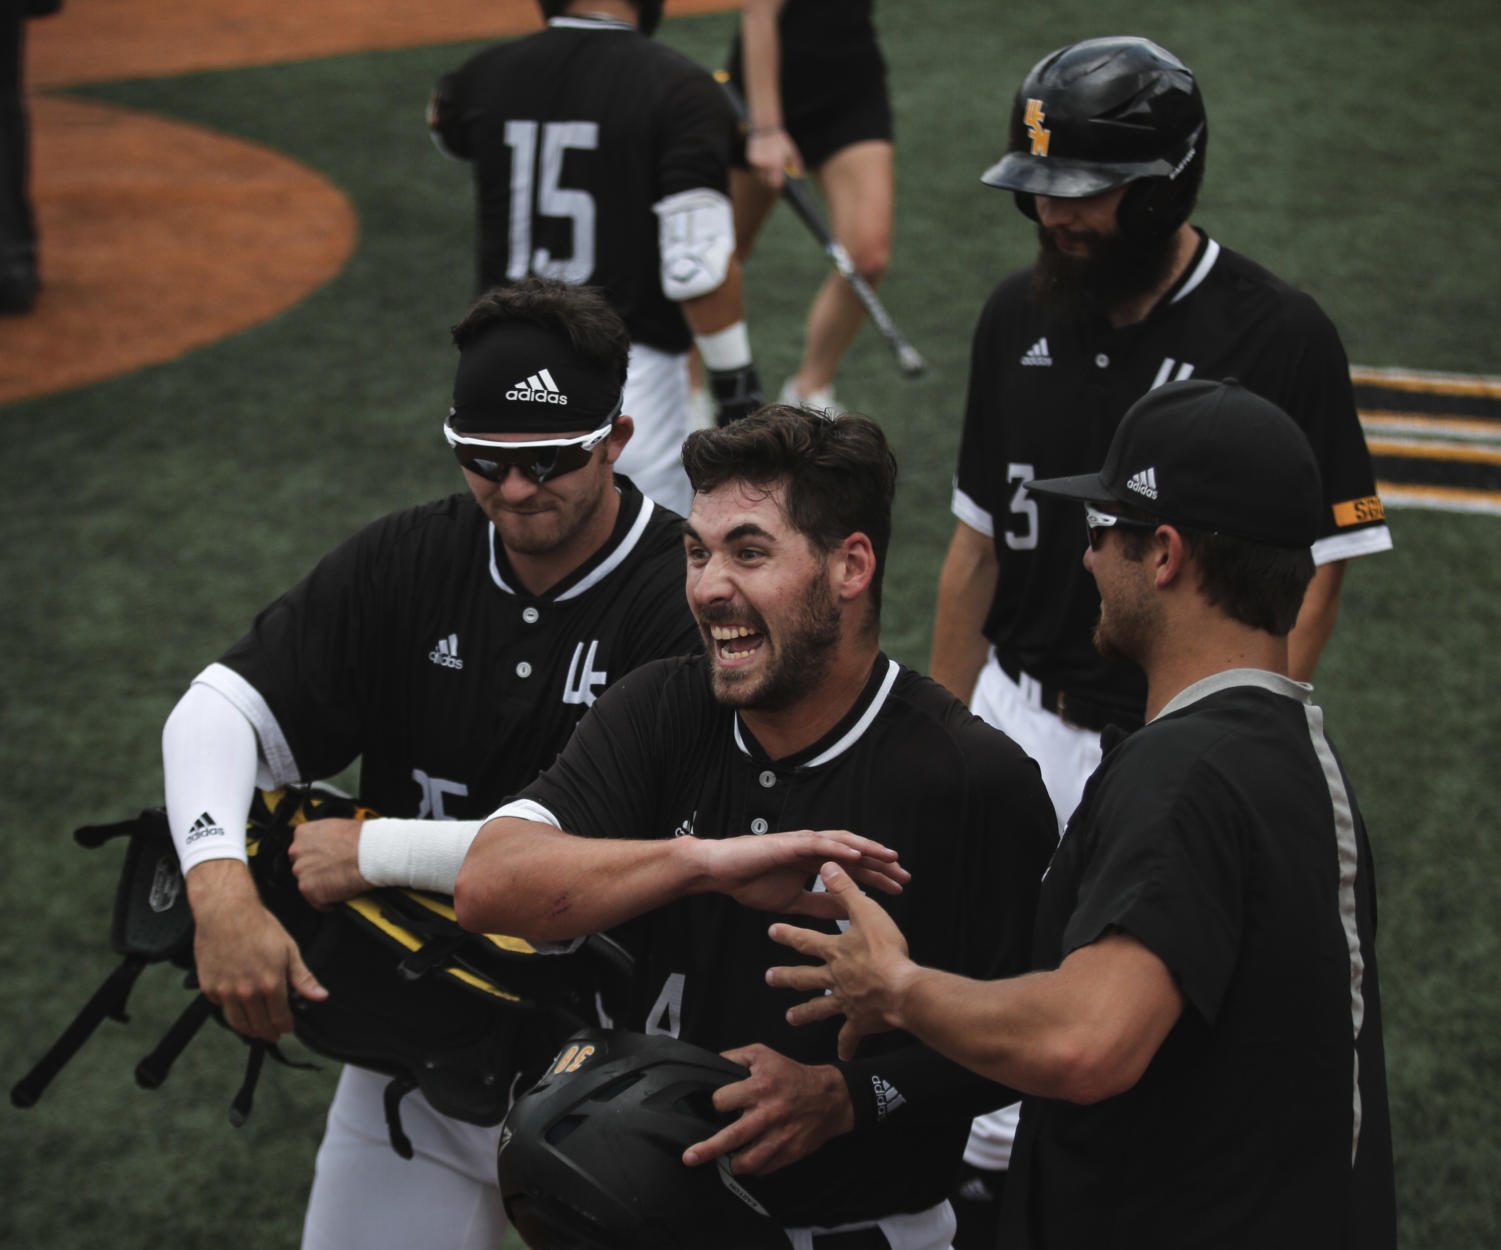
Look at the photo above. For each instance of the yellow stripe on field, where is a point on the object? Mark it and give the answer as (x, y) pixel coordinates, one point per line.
(1436, 383)
(1382, 421)
(1413, 449)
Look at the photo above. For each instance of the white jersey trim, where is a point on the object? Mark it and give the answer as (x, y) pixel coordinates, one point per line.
(1200, 272)
(974, 516)
(1232, 677)
(589, 23)
(1363, 542)
(855, 732)
(1349, 858)
(276, 754)
(606, 566)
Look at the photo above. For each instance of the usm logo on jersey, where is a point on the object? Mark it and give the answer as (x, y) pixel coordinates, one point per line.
(1034, 119)
(583, 676)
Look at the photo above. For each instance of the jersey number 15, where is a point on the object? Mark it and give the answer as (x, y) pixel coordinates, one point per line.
(537, 151)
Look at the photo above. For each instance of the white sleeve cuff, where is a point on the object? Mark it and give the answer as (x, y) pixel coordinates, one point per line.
(974, 516)
(421, 854)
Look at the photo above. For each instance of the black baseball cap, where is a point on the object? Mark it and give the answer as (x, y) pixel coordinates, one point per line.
(1208, 456)
(518, 378)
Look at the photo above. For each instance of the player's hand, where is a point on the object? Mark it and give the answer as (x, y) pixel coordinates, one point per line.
(772, 155)
(864, 968)
(770, 871)
(787, 1110)
(245, 959)
(325, 857)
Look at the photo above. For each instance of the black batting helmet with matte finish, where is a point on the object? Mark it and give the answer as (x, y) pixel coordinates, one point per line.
(1102, 114)
(648, 12)
(591, 1155)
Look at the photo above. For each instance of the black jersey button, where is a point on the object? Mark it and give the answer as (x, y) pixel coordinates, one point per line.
(759, 826)
(530, 615)
(768, 779)
(524, 669)
(1102, 361)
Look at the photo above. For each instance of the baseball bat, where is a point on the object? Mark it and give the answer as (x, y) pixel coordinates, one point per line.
(795, 192)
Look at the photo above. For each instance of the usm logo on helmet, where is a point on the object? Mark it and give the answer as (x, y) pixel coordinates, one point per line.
(572, 1059)
(1034, 119)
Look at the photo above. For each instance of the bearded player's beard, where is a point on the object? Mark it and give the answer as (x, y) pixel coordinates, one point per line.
(1115, 271)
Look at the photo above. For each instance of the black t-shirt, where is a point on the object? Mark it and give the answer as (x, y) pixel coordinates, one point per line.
(1045, 397)
(1225, 837)
(413, 645)
(908, 766)
(828, 54)
(575, 134)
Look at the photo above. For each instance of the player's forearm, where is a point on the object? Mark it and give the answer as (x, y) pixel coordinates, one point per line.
(1083, 1032)
(966, 587)
(535, 881)
(761, 51)
(1315, 620)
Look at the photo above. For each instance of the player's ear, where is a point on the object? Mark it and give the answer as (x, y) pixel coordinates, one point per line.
(852, 565)
(1168, 555)
(620, 435)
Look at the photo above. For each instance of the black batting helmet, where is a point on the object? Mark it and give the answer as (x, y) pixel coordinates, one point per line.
(591, 1155)
(648, 12)
(1103, 113)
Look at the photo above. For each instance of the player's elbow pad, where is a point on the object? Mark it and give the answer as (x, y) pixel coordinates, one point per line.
(696, 238)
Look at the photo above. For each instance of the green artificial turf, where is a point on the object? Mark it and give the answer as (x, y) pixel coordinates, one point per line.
(145, 519)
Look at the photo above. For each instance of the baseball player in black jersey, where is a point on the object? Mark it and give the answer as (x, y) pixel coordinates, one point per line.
(451, 648)
(601, 156)
(701, 794)
(814, 83)
(1125, 296)
(1204, 1054)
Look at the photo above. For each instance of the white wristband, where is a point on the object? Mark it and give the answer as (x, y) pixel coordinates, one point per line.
(422, 854)
(725, 349)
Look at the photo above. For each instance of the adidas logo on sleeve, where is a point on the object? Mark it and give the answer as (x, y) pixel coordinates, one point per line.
(1144, 483)
(537, 389)
(204, 827)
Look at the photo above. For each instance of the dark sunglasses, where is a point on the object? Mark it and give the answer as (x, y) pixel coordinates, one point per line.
(1097, 522)
(543, 461)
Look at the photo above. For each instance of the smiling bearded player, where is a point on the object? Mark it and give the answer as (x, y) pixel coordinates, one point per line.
(699, 794)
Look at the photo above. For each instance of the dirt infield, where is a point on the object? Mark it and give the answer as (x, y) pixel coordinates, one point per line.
(183, 236)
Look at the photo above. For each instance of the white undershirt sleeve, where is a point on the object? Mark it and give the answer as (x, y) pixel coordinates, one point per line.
(209, 762)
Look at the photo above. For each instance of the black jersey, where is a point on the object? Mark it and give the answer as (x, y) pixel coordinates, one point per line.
(575, 134)
(1045, 396)
(908, 766)
(1226, 838)
(413, 646)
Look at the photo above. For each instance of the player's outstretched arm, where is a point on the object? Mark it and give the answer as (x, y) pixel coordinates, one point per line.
(1082, 1032)
(529, 878)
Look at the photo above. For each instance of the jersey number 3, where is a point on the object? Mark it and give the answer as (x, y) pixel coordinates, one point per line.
(1023, 507)
(536, 166)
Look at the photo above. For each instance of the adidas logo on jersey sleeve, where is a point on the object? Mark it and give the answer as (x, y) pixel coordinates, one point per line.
(537, 389)
(1144, 483)
(888, 1098)
(1037, 354)
(446, 653)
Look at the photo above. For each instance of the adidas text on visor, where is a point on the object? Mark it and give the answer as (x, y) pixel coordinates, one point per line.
(516, 378)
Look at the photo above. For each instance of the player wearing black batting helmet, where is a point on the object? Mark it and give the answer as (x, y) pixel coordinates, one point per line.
(1105, 153)
(1202, 1052)
(1108, 113)
(698, 798)
(451, 648)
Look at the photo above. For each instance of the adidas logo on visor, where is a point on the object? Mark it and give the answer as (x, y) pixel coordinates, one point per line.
(1144, 483)
(537, 389)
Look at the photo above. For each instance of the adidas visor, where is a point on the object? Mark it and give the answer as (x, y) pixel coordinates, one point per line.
(517, 378)
(1208, 456)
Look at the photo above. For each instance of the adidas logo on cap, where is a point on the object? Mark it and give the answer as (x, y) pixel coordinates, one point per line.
(1144, 483)
(1037, 354)
(537, 389)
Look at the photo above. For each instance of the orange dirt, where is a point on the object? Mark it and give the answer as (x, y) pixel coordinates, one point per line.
(182, 236)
